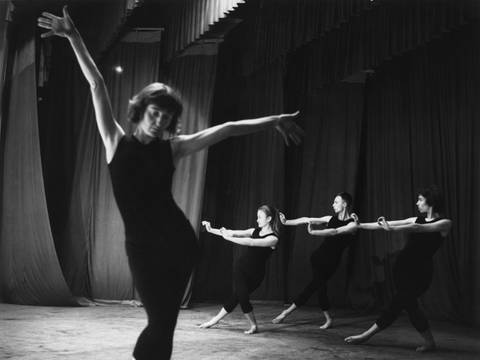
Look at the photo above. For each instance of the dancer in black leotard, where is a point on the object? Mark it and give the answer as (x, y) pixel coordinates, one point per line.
(340, 233)
(160, 242)
(249, 269)
(412, 272)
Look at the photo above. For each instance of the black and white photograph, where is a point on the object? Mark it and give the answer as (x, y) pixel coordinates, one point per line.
(239, 179)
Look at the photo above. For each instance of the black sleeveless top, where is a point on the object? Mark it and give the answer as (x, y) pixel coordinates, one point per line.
(333, 246)
(421, 246)
(142, 180)
(253, 260)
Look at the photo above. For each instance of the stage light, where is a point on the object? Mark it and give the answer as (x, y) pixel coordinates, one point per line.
(118, 69)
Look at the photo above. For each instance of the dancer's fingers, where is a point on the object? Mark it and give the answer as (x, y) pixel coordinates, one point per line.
(50, 16)
(47, 34)
(44, 26)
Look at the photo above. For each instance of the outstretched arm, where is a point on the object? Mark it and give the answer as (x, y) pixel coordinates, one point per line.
(303, 220)
(222, 231)
(378, 225)
(184, 145)
(110, 130)
(443, 226)
(350, 228)
(269, 241)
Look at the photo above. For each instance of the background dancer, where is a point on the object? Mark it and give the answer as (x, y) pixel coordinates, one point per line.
(249, 269)
(413, 269)
(340, 233)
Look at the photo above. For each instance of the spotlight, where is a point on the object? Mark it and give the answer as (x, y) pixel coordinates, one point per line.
(118, 69)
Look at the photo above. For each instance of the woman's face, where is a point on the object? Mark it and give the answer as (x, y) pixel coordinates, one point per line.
(338, 204)
(155, 120)
(422, 205)
(262, 219)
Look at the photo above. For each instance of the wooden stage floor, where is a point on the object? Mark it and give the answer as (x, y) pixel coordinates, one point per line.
(109, 332)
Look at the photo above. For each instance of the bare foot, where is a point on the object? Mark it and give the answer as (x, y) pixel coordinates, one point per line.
(279, 319)
(328, 324)
(357, 339)
(427, 347)
(207, 324)
(252, 330)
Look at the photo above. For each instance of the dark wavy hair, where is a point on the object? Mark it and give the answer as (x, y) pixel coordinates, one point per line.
(274, 214)
(433, 197)
(160, 95)
(348, 199)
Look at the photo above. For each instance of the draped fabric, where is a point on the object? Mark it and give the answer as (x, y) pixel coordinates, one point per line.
(29, 268)
(191, 18)
(194, 77)
(5, 9)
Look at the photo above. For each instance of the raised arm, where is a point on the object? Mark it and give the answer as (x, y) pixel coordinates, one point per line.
(184, 145)
(110, 130)
(350, 228)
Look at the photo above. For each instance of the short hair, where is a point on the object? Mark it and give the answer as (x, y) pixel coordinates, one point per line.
(160, 95)
(347, 198)
(433, 197)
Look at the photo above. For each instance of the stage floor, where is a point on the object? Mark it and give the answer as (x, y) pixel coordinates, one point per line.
(109, 332)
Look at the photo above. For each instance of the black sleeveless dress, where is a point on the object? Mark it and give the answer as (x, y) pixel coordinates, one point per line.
(160, 242)
(248, 274)
(412, 275)
(324, 262)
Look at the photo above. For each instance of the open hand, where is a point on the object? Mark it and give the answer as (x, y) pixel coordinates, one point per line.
(289, 130)
(59, 26)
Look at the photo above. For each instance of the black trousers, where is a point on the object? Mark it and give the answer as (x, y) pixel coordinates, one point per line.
(411, 281)
(244, 283)
(322, 271)
(161, 280)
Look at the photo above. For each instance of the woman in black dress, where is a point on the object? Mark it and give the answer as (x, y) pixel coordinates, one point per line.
(413, 269)
(160, 242)
(339, 234)
(249, 269)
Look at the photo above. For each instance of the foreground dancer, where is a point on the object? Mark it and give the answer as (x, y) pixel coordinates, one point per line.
(412, 272)
(160, 242)
(340, 233)
(249, 270)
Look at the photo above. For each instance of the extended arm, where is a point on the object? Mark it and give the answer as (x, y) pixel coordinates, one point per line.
(378, 225)
(443, 226)
(184, 145)
(269, 241)
(350, 228)
(303, 220)
(222, 231)
(110, 130)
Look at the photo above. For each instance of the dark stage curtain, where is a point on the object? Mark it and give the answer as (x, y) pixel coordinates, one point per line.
(243, 173)
(194, 77)
(420, 129)
(30, 271)
(95, 262)
(429, 86)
